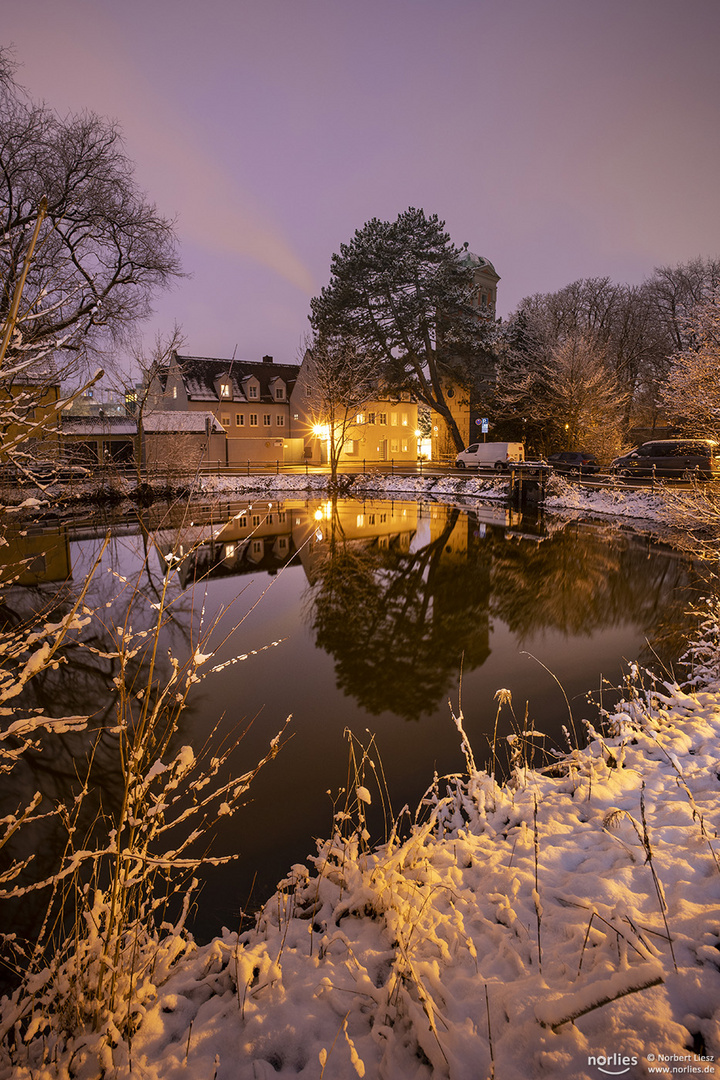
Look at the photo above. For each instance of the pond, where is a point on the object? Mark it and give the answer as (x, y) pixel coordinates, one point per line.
(372, 617)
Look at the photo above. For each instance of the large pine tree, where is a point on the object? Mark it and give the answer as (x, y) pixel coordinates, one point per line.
(401, 290)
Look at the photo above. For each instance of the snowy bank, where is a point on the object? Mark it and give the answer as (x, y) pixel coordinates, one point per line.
(616, 502)
(564, 925)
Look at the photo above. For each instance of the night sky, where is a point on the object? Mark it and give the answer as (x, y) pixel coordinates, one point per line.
(560, 138)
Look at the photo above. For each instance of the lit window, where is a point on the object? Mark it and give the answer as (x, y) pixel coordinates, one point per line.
(266, 419)
(280, 420)
(225, 390)
(360, 520)
(174, 392)
(394, 446)
(404, 419)
(360, 418)
(239, 420)
(393, 419)
(404, 446)
(296, 416)
(253, 419)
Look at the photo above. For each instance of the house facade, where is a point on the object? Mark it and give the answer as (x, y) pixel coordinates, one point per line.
(249, 399)
(380, 429)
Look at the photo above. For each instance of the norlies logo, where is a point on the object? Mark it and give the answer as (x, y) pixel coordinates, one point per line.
(612, 1064)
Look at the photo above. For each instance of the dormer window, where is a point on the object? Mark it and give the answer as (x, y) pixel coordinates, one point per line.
(279, 393)
(252, 390)
(225, 390)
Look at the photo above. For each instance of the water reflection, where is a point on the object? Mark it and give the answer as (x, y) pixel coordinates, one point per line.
(379, 606)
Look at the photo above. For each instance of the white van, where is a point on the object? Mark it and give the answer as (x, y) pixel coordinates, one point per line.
(495, 455)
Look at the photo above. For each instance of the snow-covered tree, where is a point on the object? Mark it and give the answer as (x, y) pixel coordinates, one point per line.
(692, 392)
(401, 291)
(570, 391)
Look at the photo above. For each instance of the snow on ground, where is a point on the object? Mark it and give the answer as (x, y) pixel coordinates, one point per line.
(642, 504)
(565, 924)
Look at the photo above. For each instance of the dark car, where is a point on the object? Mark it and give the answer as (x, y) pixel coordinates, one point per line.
(673, 458)
(574, 461)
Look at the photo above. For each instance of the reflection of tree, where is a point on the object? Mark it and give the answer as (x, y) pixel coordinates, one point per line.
(398, 623)
(584, 579)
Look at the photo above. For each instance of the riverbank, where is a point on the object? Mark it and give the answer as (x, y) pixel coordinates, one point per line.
(563, 924)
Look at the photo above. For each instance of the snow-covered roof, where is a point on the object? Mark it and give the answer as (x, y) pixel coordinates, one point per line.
(173, 420)
(478, 262)
(98, 425)
(201, 375)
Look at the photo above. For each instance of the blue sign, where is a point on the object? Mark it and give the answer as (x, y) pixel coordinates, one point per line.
(485, 426)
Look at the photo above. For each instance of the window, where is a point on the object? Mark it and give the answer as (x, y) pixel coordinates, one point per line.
(282, 543)
(371, 418)
(280, 420)
(404, 419)
(242, 521)
(352, 446)
(252, 391)
(360, 520)
(279, 393)
(239, 420)
(266, 419)
(371, 519)
(258, 547)
(225, 421)
(253, 419)
(394, 446)
(281, 517)
(360, 418)
(255, 520)
(268, 519)
(404, 446)
(296, 416)
(382, 418)
(225, 390)
(175, 392)
(308, 390)
(393, 419)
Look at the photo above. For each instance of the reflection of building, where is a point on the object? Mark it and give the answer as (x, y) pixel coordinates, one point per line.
(383, 429)
(35, 556)
(249, 399)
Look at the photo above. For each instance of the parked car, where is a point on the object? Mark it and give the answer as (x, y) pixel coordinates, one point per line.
(574, 461)
(671, 457)
(495, 455)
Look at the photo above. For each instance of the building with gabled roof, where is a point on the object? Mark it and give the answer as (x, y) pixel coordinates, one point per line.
(249, 398)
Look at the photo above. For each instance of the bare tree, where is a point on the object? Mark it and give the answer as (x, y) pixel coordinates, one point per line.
(570, 390)
(102, 249)
(342, 378)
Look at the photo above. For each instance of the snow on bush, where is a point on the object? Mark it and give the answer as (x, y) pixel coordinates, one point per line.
(532, 929)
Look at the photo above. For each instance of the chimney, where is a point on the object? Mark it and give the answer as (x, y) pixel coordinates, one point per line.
(267, 360)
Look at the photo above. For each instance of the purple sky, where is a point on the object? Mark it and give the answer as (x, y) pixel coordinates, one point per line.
(560, 138)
